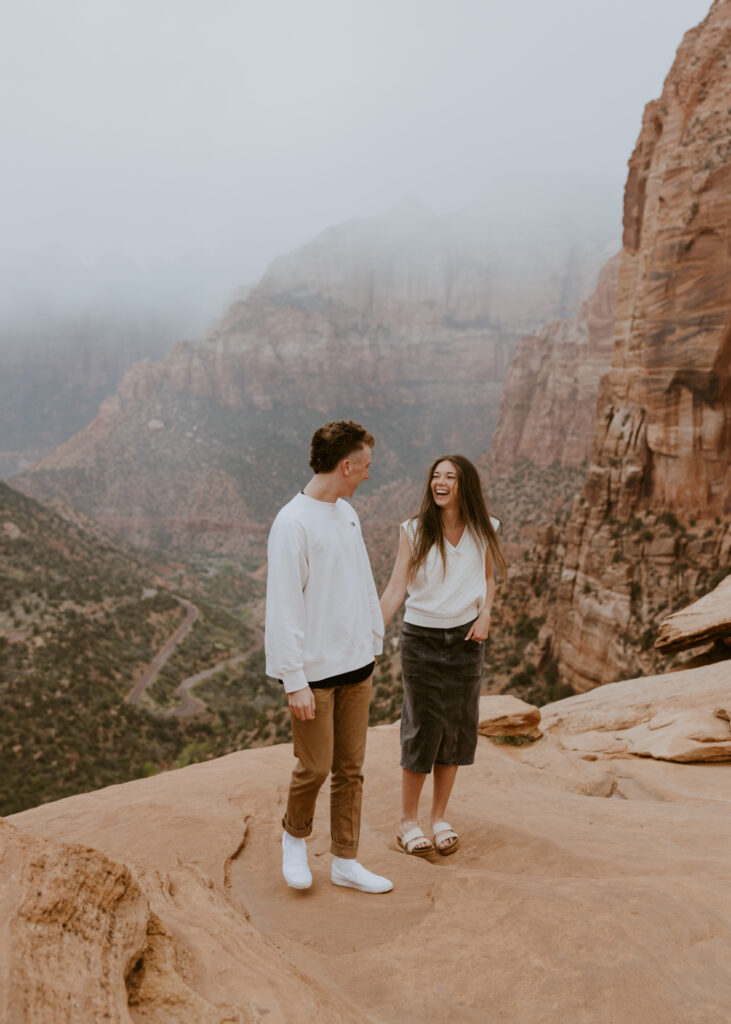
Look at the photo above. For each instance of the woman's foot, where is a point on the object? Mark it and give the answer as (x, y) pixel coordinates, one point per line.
(446, 839)
(412, 840)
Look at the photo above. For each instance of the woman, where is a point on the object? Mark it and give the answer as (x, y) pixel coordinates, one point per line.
(445, 561)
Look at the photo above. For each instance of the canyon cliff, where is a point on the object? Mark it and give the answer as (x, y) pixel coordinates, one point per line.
(396, 321)
(541, 445)
(548, 404)
(650, 529)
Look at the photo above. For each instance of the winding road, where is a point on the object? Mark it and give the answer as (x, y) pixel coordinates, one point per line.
(189, 705)
(150, 674)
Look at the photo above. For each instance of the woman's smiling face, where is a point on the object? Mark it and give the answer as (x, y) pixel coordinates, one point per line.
(445, 484)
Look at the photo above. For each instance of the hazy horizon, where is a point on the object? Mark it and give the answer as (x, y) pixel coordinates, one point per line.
(173, 150)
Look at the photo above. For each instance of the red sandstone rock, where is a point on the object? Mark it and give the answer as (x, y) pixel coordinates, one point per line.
(548, 404)
(180, 914)
(74, 922)
(663, 436)
(505, 715)
(667, 398)
(682, 716)
(706, 619)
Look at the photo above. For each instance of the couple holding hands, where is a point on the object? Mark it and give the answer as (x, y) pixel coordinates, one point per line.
(324, 632)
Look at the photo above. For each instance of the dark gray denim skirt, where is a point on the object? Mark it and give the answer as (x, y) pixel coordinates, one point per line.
(442, 677)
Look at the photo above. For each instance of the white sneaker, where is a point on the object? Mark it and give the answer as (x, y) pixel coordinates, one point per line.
(353, 875)
(296, 873)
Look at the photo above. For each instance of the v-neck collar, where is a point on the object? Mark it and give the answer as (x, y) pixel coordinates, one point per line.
(455, 547)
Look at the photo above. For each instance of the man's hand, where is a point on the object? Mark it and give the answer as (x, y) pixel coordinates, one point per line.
(302, 704)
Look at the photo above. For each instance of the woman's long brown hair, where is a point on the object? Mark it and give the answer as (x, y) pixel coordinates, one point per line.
(472, 509)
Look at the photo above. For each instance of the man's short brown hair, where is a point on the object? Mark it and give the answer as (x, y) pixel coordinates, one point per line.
(335, 441)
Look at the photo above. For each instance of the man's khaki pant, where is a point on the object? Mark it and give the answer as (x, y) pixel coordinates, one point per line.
(334, 741)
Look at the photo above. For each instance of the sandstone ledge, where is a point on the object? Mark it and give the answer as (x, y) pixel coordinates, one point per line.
(709, 618)
(505, 715)
(549, 874)
(681, 716)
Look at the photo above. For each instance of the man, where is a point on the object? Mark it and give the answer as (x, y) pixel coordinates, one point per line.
(324, 630)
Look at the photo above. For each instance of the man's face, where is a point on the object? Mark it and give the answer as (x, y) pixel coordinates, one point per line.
(356, 468)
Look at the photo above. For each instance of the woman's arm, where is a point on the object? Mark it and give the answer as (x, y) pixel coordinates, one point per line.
(481, 626)
(395, 592)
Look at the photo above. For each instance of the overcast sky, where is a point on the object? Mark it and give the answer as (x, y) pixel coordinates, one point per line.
(164, 133)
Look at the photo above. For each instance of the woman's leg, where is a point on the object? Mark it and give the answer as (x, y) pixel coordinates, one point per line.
(461, 703)
(412, 784)
(421, 726)
(444, 776)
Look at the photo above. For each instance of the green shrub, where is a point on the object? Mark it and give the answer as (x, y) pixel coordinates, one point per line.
(670, 520)
(647, 639)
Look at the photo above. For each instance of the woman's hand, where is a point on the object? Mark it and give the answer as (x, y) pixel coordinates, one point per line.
(480, 627)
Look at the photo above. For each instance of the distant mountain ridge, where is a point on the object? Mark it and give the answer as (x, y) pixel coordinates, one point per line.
(55, 370)
(391, 321)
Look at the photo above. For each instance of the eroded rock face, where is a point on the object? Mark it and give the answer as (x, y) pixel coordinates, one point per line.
(655, 508)
(668, 393)
(548, 404)
(142, 929)
(74, 922)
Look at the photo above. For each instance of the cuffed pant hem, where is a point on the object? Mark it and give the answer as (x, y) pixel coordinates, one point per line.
(298, 833)
(346, 852)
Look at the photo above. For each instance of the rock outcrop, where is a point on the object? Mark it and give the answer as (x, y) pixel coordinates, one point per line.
(666, 403)
(162, 899)
(682, 717)
(652, 528)
(74, 922)
(707, 619)
(507, 716)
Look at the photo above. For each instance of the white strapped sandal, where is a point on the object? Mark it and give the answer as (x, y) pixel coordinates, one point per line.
(410, 839)
(446, 833)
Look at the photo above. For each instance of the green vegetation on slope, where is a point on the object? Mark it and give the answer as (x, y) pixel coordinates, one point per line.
(79, 621)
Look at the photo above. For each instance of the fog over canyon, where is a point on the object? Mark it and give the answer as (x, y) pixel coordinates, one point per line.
(582, 357)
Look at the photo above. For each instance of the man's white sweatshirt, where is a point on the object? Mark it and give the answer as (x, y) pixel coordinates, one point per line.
(322, 612)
